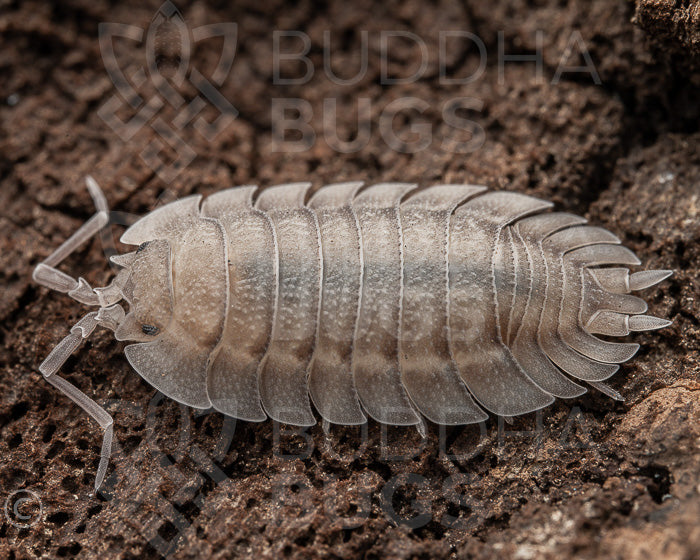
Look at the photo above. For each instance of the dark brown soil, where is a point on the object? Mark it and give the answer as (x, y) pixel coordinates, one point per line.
(589, 478)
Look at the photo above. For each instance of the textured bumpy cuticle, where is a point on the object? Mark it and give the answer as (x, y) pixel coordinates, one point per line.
(388, 301)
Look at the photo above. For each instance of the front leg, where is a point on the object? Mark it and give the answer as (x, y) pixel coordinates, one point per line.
(46, 273)
(58, 356)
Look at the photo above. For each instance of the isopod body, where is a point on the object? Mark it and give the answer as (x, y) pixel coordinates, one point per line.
(386, 301)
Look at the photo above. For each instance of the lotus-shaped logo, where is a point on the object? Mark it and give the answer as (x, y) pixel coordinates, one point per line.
(163, 90)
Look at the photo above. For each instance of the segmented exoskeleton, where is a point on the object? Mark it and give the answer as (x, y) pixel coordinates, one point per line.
(386, 301)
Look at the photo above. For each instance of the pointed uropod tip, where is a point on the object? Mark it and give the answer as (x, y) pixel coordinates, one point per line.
(647, 278)
(647, 323)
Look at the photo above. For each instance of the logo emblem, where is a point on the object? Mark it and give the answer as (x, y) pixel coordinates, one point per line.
(163, 90)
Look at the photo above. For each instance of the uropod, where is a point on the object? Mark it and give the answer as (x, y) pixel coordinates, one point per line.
(384, 301)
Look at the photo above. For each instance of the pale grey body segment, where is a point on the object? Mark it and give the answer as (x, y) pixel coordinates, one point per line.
(282, 374)
(428, 370)
(232, 377)
(375, 361)
(386, 301)
(331, 383)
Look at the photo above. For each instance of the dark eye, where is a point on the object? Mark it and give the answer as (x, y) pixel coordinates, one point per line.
(142, 247)
(149, 329)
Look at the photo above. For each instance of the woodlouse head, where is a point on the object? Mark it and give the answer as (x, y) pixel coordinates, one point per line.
(148, 291)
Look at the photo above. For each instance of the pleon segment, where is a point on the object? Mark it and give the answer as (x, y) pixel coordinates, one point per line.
(331, 384)
(232, 378)
(614, 280)
(375, 358)
(523, 268)
(283, 387)
(607, 289)
(549, 336)
(609, 323)
(484, 362)
(427, 370)
(570, 328)
(524, 347)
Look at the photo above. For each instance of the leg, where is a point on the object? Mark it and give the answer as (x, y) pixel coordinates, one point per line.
(47, 275)
(51, 365)
(97, 413)
(422, 428)
(603, 388)
(121, 218)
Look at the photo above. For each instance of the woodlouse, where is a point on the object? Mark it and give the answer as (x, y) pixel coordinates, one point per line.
(386, 301)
